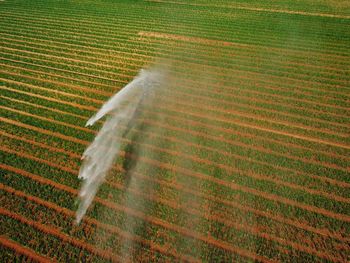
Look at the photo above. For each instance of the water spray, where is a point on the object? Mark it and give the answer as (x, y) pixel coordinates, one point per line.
(121, 111)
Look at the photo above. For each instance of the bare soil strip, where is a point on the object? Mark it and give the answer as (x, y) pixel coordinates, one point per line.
(156, 221)
(47, 23)
(62, 76)
(278, 132)
(56, 134)
(246, 125)
(278, 218)
(131, 76)
(79, 106)
(84, 118)
(201, 106)
(63, 70)
(141, 63)
(233, 186)
(238, 133)
(172, 204)
(196, 105)
(268, 196)
(128, 27)
(102, 51)
(54, 91)
(77, 65)
(226, 88)
(60, 58)
(272, 77)
(257, 9)
(150, 58)
(236, 52)
(261, 177)
(252, 230)
(329, 180)
(65, 238)
(235, 96)
(234, 204)
(201, 97)
(200, 160)
(243, 114)
(211, 42)
(32, 255)
(322, 178)
(259, 108)
(40, 144)
(59, 83)
(93, 221)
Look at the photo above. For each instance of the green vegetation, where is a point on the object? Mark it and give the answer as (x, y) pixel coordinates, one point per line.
(244, 157)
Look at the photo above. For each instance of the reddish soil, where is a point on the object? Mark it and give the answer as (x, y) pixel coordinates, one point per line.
(116, 53)
(92, 221)
(57, 233)
(19, 249)
(250, 75)
(303, 83)
(79, 106)
(196, 123)
(153, 220)
(235, 132)
(257, 176)
(235, 186)
(277, 218)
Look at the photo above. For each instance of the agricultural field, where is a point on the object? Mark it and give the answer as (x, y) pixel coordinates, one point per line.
(243, 157)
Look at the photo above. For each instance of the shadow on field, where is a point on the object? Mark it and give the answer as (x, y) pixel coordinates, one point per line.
(132, 150)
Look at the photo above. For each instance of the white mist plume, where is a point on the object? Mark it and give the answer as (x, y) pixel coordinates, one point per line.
(99, 157)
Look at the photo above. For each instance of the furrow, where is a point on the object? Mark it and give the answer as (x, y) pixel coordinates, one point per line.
(159, 222)
(230, 169)
(322, 178)
(91, 221)
(57, 233)
(197, 106)
(228, 89)
(286, 79)
(233, 186)
(32, 255)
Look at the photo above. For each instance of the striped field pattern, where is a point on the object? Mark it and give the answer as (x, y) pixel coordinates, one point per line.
(244, 157)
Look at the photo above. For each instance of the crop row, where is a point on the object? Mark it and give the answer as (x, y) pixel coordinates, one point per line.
(337, 101)
(202, 29)
(39, 153)
(198, 92)
(204, 163)
(117, 216)
(177, 132)
(241, 91)
(184, 48)
(331, 81)
(114, 218)
(98, 102)
(55, 116)
(178, 92)
(90, 230)
(127, 37)
(92, 39)
(26, 147)
(193, 149)
(111, 65)
(181, 169)
(225, 115)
